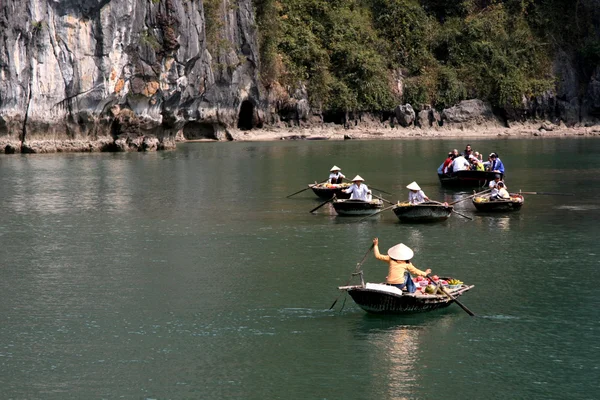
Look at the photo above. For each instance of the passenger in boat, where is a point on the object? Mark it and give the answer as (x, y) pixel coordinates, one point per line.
(495, 164)
(497, 179)
(416, 195)
(468, 152)
(460, 164)
(336, 175)
(443, 169)
(476, 165)
(358, 190)
(400, 267)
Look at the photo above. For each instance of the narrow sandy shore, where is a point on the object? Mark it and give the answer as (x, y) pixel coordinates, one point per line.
(359, 133)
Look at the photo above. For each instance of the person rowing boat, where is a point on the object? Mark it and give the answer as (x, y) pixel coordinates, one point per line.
(398, 258)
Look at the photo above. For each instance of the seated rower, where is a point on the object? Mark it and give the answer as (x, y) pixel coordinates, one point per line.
(400, 267)
(336, 175)
(358, 190)
(416, 195)
(499, 192)
(502, 192)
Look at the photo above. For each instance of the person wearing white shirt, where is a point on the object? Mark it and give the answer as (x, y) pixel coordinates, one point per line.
(416, 195)
(336, 175)
(460, 164)
(496, 181)
(358, 190)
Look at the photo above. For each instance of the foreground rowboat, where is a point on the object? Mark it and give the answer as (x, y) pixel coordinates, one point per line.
(379, 298)
(327, 190)
(467, 178)
(484, 204)
(424, 212)
(356, 207)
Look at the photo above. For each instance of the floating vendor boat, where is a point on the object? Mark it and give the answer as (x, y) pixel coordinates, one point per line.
(467, 178)
(483, 203)
(327, 190)
(424, 212)
(356, 207)
(379, 298)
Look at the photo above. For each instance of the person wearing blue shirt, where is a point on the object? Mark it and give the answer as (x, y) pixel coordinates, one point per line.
(495, 164)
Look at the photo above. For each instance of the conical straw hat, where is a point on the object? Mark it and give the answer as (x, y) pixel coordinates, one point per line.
(400, 252)
(335, 168)
(413, 186)
(357, 178)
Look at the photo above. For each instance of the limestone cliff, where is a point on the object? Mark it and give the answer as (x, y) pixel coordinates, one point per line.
(87, 75)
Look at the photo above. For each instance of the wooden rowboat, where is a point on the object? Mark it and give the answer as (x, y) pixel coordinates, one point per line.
(327, 190)
(380, 298)
(483, 203)
(467, 178)
(356, 207)
(424, 212)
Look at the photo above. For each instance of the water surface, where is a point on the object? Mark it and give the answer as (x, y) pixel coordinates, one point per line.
(189, 274)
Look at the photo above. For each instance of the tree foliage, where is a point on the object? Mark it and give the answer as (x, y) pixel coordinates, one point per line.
(347, 52)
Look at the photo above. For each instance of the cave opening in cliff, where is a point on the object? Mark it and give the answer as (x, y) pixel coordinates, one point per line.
(199, 130)
(335, 117)
(246, 117)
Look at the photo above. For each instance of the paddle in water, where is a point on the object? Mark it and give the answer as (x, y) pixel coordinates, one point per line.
(306, 188)
(322, 204)
(440, 287)
(356, 270)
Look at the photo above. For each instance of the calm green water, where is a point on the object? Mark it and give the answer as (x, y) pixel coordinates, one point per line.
(189, 275)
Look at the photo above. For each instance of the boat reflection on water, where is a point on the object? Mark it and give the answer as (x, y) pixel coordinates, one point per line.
(398, 347)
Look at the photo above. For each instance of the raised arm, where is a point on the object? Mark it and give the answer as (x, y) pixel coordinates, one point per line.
(377, 253)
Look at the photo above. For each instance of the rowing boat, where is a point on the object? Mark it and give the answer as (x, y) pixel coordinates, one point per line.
(424, 212)
(379, 298)
(327, 190)
(484, 204)
(356, 207)
(467, 178)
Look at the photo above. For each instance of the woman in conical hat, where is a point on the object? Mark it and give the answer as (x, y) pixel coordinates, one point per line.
(416, 195)
(358, 190)
(400, 267)
(336, 175)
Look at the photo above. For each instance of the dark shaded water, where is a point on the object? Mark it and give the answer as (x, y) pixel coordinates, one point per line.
(188, 274)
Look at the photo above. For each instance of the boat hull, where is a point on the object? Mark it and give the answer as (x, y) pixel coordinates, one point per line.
(422, 212)
(467, 178)
(356, 207)
(484, 204)
(327, 191)
(379, 302)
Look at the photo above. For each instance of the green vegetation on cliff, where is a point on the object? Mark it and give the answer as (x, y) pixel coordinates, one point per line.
(352, 54)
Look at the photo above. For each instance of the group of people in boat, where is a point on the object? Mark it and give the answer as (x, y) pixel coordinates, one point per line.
(470, 160)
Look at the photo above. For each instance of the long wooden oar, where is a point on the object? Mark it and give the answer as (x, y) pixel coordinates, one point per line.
(384, 200)
(358, 265)
(468, 197)
(440, 287)
(548, 193)
(306, 188)
(376, 212)
(462, 215)
(321, 205)
(379, 190)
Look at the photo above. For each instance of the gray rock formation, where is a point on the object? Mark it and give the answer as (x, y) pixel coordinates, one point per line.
(405, 115)
(470, 113)
(88, 75)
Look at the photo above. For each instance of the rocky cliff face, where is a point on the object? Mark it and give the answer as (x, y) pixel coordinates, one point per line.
(88, 75)
(119, 75)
